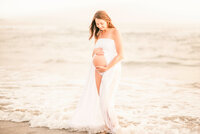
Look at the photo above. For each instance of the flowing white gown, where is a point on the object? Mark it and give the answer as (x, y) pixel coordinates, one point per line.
(95, 113)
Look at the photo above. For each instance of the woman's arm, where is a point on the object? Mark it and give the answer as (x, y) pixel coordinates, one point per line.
(119, 49)
(98, 51)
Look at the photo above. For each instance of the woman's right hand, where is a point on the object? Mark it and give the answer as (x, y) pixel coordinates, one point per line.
(98, 51)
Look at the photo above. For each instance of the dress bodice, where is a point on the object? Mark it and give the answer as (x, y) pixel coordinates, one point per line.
(107, 44)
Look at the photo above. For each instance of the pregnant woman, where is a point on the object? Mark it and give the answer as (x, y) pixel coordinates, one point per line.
(95, 110)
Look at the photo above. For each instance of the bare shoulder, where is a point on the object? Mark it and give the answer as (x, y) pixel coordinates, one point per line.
(113, 30)
(115, 33)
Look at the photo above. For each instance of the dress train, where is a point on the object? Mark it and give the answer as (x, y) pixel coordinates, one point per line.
(96, 113)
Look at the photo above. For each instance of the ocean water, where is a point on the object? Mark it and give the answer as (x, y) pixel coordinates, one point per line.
(43, 69)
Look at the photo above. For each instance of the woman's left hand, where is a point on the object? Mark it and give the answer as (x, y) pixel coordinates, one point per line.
(101, 68)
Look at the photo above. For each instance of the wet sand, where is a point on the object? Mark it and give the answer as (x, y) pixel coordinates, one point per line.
(43, 71)
(9, 127)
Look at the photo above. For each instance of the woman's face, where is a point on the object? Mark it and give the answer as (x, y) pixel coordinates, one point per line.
(101, 24)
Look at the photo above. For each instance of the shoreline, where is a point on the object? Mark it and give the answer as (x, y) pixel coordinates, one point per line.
(10, 127)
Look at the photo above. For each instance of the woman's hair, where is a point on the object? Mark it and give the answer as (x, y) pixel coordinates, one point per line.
(93, 27)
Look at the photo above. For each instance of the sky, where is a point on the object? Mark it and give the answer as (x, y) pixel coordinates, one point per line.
(137, 11)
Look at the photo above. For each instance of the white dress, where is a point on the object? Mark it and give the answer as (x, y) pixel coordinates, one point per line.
(95, 113)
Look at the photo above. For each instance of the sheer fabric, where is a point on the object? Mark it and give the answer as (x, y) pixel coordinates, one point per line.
(96, 113)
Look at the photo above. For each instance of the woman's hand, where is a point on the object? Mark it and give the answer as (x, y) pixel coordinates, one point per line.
(101, 68)
(98, 51)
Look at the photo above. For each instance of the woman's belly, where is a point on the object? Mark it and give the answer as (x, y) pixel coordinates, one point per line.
(99, 60)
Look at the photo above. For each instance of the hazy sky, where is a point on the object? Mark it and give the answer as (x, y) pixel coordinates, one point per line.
(182, 11)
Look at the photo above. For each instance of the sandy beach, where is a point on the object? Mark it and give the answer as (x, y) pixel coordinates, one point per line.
(46, 53)
(43, 71)
(9, 127)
